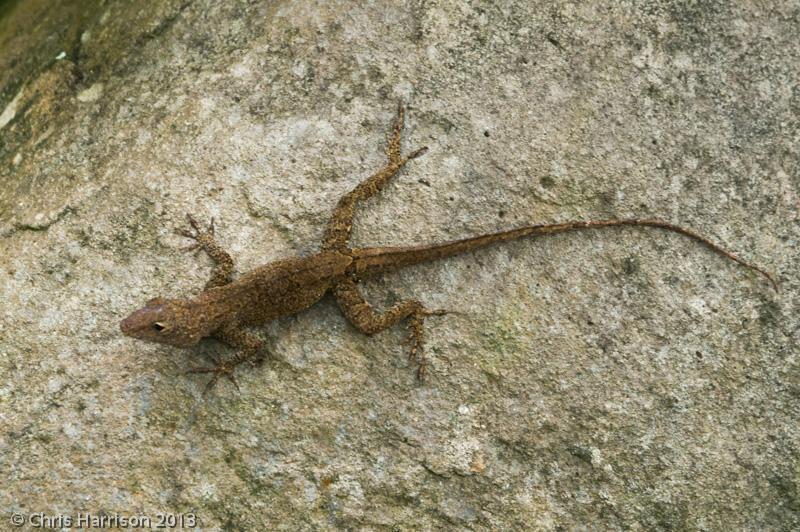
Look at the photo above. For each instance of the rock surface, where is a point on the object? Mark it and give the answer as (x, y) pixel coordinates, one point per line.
(619, 379)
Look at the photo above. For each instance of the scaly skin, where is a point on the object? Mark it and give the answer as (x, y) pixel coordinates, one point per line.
(227, 307)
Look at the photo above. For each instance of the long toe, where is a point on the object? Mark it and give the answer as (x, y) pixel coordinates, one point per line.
(211, 384)
(232, 378)
(199, 370)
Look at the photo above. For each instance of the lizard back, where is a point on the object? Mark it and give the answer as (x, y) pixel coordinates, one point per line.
(284, 286)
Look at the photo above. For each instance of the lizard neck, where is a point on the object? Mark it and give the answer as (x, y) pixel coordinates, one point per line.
(215, 307)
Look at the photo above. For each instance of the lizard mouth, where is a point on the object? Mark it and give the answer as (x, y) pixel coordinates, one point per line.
(137, 323)
(128, 325)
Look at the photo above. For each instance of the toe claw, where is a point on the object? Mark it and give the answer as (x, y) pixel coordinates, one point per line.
(232, 378)
(210, 384)
(192, 222)
(421, 370)
(197, 370)
(417, 153)
(412, 353)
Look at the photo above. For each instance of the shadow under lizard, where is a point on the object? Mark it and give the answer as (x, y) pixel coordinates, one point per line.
(226, 307)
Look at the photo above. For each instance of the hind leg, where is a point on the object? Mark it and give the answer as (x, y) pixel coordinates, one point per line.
(338, 230)
(361, 314)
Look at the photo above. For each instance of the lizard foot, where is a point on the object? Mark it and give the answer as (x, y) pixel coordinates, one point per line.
(416, 338)
(204, 240)
(219, 369)
(198, 235)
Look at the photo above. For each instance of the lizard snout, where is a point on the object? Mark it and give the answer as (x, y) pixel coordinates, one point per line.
(133, 323)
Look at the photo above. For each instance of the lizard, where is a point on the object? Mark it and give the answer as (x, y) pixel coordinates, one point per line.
(226, 308)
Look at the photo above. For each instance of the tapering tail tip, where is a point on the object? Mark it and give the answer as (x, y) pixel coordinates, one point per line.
(753, 267)
(772, 280)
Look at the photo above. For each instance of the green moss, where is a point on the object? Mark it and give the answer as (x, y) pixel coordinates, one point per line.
(769, 313)
(43, 438)
(501, 341)
(255, 486)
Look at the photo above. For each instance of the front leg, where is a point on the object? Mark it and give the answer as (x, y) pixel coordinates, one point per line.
(361, 314)
(223, 263)
(247, 346)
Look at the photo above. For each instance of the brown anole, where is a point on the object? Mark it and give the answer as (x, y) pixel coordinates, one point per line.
(226, 307)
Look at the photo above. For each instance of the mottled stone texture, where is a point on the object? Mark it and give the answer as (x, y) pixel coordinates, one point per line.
(623, 379)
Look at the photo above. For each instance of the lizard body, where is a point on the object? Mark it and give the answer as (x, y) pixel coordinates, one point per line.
(226, 307)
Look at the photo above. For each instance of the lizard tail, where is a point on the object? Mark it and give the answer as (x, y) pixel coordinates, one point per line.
(367, 261)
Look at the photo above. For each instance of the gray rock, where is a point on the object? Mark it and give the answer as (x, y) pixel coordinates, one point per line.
(618, 379)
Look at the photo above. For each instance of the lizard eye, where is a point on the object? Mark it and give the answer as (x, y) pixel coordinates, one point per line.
(159, 326)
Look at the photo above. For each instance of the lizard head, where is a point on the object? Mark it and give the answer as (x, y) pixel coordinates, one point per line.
(167, 321)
